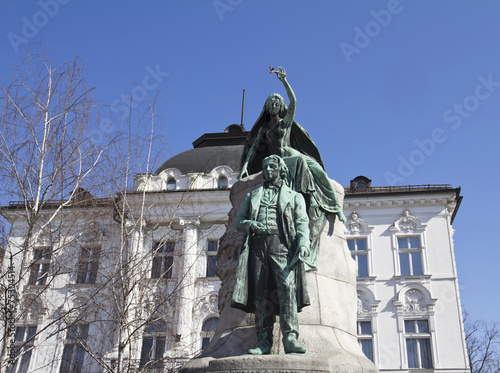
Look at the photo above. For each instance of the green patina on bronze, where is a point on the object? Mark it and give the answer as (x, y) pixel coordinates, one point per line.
(270, 278)
(276, 132)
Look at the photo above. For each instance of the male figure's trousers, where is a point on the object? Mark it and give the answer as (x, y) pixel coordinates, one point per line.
(273, 280)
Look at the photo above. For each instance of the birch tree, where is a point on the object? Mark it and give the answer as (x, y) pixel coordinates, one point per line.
(46, 158)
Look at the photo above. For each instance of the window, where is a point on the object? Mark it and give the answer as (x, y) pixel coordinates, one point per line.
(87, 267)
(74, 351)
(365, 338)
(360, 184)
(208, 331)
(23, 341)
(40, 266)
(163, 259)
(211, 257)
(153, 345)
(222, 183)
(359, 252)
(171, 184)
(418, 344)
(410, 256)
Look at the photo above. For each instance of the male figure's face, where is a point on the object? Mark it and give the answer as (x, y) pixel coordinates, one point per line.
(271, 170)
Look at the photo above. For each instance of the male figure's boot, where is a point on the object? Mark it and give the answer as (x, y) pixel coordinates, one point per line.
(291, 345)
(264, 344)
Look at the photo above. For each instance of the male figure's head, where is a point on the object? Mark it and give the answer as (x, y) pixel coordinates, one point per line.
(274, 168)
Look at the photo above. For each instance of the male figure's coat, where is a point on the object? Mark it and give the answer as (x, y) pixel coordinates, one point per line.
(294, 225)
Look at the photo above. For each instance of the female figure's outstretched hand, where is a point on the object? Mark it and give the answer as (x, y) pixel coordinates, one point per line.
(281, 74)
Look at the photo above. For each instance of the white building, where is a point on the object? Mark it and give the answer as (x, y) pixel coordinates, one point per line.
(132, 279)
(409, 314)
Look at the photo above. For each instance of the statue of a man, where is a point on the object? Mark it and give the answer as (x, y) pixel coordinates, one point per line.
(270, 279)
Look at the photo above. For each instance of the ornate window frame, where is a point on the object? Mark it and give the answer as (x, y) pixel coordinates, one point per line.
(207, 335)
(156, 331)
(88, 264)
(40, 266)
(32, 312)
(77, 336)
(24, 344)
(222, 172)
(170, 174)
(357, 228)
(367, 310)
(211, 255)
(161, 234)
(414, 302)
(163, 253)
(407, 225)
(212, 232)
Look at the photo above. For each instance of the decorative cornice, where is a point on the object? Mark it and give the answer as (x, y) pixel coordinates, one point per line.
(375, 201)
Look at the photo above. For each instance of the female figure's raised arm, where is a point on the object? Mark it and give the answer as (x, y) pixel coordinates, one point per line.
(290, 114)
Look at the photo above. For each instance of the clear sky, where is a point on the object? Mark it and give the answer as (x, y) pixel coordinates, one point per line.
(403, 92)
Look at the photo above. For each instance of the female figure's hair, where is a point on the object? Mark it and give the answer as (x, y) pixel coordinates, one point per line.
(267, 106)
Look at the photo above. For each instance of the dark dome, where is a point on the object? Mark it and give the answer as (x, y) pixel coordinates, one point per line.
(205, 159)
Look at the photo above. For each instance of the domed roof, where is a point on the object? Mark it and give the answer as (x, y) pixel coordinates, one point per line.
(211, 150)
(205, 159)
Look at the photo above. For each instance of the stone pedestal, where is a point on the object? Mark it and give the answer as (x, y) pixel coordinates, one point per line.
(327, 327)
(269, 363)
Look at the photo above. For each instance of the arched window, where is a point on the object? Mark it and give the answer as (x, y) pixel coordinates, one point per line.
(415, 314)
(153, 345)
(366, 324)
(171, 184)
(222, 183)
(208, 330)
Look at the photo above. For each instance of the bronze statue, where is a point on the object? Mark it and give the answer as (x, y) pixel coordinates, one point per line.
(276, 132)
(270, 278)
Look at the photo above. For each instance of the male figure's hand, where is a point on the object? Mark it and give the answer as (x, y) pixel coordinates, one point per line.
(304, 251)
(257, 227)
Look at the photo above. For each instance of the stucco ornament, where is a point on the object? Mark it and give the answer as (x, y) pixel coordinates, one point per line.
(45, 235)
(355, 224)
(407, 222)
(414, 301)
(210, 304)
(92, 232)
(363, 304)
(32, 309)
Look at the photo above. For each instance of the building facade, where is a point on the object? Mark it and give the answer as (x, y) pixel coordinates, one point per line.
(409, 313)
(130, 282)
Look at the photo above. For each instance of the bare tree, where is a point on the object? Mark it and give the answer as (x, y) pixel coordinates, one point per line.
(83, 256)
(46, 159)
(483, 345)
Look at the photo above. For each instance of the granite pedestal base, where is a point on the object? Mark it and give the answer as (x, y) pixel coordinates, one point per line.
(269, 364)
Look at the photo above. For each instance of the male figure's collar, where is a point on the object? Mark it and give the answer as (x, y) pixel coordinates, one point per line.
(273, 184)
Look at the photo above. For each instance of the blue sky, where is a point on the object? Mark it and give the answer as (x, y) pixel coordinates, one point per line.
(403, 92)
